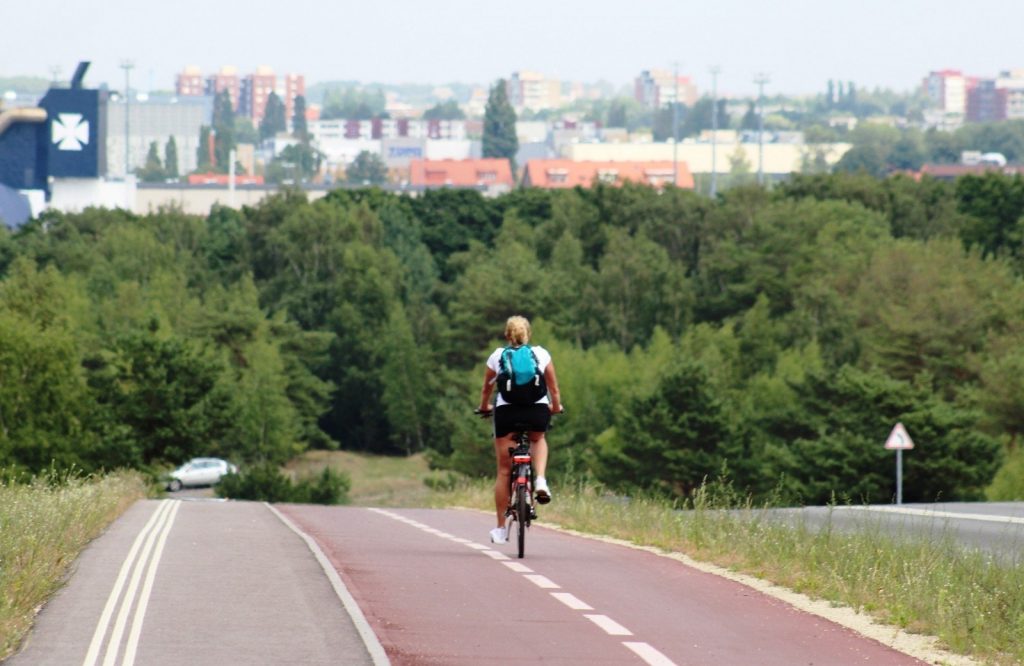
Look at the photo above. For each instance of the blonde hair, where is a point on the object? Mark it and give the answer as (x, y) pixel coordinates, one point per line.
(517, 330)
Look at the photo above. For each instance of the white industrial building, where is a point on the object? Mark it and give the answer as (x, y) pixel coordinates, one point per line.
(155, 120)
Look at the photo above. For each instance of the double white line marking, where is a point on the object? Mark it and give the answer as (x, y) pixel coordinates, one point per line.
(150, 542)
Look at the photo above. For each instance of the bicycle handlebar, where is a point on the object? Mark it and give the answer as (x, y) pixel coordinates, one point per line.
(490, 412)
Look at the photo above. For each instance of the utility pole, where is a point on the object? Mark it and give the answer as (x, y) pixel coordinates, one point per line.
(675, 126)
(760, 80)
(127, 66)
(714, 129)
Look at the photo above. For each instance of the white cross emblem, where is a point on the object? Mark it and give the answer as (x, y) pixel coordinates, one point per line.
(69, 131)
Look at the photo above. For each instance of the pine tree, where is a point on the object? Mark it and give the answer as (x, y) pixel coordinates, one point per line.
(500, 138)
(273, 117)
(171, 158)
(203, 151)
(299, 127)
(153, 171)
(224, 130)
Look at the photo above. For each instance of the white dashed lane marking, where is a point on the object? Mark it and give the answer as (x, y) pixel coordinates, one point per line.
(610, 626)
(571, 601)
(542, 581)
(649, 654)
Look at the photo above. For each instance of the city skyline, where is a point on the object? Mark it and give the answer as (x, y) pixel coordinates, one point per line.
(799, 43)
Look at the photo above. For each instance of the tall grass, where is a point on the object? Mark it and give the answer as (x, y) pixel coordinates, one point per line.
(972, 602)
(44, 524)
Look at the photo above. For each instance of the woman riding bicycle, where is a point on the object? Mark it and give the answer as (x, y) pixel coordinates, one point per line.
(507, 417)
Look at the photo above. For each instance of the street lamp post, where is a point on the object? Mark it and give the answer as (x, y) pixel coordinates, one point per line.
(675, 126)
(127, 66)
(714, 129)
(760, 80)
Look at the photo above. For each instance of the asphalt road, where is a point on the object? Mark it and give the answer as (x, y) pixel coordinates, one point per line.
(216, 583)
(208, 582)
(993, 528)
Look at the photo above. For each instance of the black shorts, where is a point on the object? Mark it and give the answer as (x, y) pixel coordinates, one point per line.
(516, 418)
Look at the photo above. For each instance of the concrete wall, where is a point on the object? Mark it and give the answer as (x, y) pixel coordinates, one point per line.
(778, 158)
(199, 200)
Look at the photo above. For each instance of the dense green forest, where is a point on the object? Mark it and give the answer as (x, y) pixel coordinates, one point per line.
(775, 335)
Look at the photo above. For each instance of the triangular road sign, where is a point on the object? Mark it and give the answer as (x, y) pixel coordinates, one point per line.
(899, 439)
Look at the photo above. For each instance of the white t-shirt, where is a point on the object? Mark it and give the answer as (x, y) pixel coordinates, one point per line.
(543, 359)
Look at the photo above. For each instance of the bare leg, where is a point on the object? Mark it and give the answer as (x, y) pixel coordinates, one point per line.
(501, 482)
(539, 453)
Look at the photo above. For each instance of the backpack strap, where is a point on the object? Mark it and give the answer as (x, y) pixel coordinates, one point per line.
(505, 368)
(536, 364)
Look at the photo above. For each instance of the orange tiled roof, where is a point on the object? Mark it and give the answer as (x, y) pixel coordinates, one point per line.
(461, 173)
(567, 173)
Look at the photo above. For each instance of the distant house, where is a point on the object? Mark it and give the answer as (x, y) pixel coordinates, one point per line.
(567, 173)
(954, 171)
(222, 179)
(489, 174)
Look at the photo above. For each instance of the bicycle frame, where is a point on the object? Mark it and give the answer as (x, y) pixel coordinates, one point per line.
(520, 500)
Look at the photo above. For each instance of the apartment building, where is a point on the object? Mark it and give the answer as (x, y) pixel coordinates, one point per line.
(294, 86)
(986, 102)
(984, 99)
(948, 89)
(190, 82)
(226, 79)
(655, 88)
(533, 91)
(387, 128)
(255, 91)
(1011, 84)
(249, 94)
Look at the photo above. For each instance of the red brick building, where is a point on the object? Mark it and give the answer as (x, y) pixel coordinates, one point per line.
(225, 79)
(256, 89)
(294, 86)
(189, 83)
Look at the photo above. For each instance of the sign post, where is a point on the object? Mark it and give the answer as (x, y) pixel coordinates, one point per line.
(899, 440)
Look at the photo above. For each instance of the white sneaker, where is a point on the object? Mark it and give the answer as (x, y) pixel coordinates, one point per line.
(541, 490)
(499, 535)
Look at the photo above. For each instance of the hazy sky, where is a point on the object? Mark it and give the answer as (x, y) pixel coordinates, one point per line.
(799, 43)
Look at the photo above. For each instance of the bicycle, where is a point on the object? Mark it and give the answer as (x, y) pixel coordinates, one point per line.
(520, 510)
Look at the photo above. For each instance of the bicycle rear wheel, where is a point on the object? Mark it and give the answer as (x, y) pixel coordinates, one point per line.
(522, 513)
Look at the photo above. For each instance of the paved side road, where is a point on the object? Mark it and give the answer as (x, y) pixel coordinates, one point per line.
(209, 583)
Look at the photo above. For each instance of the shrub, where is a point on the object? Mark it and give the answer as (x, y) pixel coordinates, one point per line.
(266, 483)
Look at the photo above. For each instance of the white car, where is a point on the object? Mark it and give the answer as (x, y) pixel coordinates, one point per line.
(200, 472)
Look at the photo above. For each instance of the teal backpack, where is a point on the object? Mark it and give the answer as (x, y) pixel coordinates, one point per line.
(520, 381)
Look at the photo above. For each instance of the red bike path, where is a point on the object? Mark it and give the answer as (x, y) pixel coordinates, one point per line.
(435, 591)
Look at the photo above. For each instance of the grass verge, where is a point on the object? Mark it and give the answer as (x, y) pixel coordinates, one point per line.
(973, 603)
(43, 526)
(384, 481)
